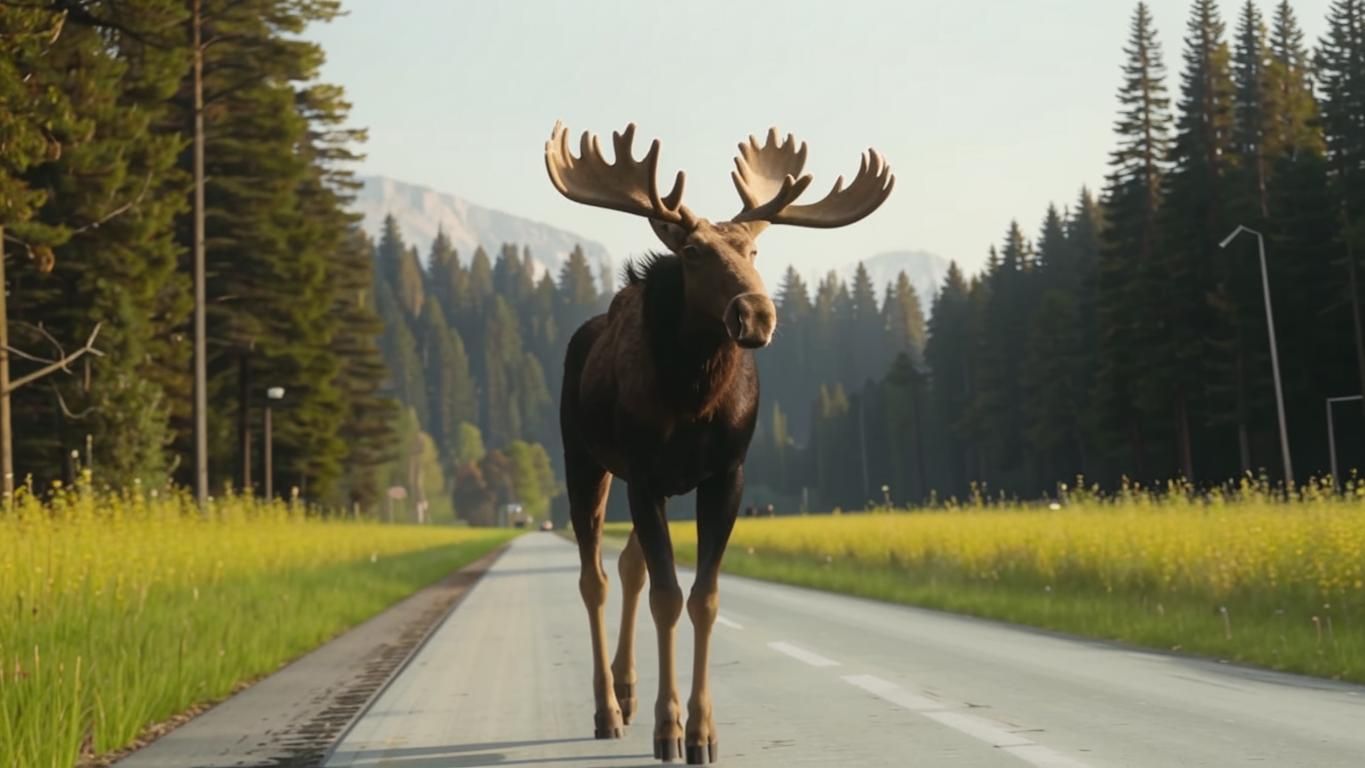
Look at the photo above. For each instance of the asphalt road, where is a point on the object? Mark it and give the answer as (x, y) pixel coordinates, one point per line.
(805, 678)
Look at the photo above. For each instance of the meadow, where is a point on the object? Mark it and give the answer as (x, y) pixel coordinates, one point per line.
(1243, 576)
(121, 611)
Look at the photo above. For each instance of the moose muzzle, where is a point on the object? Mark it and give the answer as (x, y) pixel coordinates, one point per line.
(750, 319)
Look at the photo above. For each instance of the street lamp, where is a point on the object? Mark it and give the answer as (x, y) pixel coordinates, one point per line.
(1274, 354)
(1332, 435)
(272, 395)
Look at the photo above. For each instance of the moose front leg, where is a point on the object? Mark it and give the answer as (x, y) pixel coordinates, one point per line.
(666, 604)
(717, 506)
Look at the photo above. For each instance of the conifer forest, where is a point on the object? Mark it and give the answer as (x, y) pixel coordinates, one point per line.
(1109, 337)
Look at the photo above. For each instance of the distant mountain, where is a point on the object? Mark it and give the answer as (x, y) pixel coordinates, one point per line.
(420, 211)
(925, 270)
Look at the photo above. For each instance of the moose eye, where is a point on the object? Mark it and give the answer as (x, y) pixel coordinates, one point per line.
(690, 252)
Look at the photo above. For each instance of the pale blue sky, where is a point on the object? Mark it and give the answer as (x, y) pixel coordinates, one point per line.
(986, 110)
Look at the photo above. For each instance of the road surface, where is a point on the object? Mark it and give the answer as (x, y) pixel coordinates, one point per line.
(806, 678)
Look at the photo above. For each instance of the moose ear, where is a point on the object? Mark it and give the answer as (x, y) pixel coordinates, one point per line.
(672, 235)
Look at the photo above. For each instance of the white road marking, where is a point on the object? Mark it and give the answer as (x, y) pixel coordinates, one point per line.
(801, 654)
(724, 622)
(1041, 756)
(980, 728)
(894, 693)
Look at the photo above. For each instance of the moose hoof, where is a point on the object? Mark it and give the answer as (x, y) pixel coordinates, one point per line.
(625, 695)
(608, 725)
(668, 750)
(701, 754)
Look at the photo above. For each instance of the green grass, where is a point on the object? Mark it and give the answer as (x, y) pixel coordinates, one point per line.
(1248, 579)
(120, 613)
(1256, 629)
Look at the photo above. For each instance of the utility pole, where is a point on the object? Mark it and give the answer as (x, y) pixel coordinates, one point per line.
(272, 395)
(201, 437)
(1274, 353)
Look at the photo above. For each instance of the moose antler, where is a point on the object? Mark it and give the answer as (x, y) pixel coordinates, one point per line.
(625, 185)
(768, 179)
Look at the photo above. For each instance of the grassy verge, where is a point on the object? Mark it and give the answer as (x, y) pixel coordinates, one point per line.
(1246, 580)
(117, 613)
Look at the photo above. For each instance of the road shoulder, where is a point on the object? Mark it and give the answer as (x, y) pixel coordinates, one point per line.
(292, 718)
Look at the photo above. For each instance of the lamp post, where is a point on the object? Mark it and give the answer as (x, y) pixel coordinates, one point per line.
(1332, 435)
(271, 395)
(1274, 353)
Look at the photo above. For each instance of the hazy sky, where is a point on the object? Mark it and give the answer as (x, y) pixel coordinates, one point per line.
(987, 111)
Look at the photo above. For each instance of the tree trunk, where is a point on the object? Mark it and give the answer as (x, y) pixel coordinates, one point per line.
(244, 418)
(1243, 437)
(1182, 426)
(201, 407)
(6, 438)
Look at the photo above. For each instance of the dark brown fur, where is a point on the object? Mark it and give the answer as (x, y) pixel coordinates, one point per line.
(657, 393)
(649, 399)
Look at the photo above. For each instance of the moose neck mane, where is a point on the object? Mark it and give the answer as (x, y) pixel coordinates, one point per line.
(694, 367)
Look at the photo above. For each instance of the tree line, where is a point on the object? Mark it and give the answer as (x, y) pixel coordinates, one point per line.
(95, 200)
(474, 347)
(1121, 341)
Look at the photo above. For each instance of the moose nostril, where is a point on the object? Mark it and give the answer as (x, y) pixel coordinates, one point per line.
(750, 320)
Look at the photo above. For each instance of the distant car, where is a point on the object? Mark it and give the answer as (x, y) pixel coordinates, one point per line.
(547, 526)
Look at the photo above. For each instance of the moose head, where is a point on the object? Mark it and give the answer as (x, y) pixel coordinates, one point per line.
(722, 288)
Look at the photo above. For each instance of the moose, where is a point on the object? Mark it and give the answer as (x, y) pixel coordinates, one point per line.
(662, 392)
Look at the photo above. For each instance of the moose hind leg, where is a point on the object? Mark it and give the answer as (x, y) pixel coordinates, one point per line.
(631, 566)
(587, 485)
(717, 506)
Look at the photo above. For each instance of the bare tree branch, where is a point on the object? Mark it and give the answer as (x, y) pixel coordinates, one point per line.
(96, 224)
(61, 403)
(19, 353)
(122, 209)
(59, 365)
(39, 329)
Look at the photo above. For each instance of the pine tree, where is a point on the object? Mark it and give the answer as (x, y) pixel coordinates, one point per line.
(947, 354)
(867, 331)
(786, 369)
(577, 293)
(1055, 368)
(449, 387)
(114, 194)
(447, 279)
(1081, 282)
(367, 430)
(1255, 120)
(1341, 68)
(401, 355)
(1127, 267)
(904, 319)
(998, 384)
(274, 223)
(38, 120)
(1199, 346)
(501, 408)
